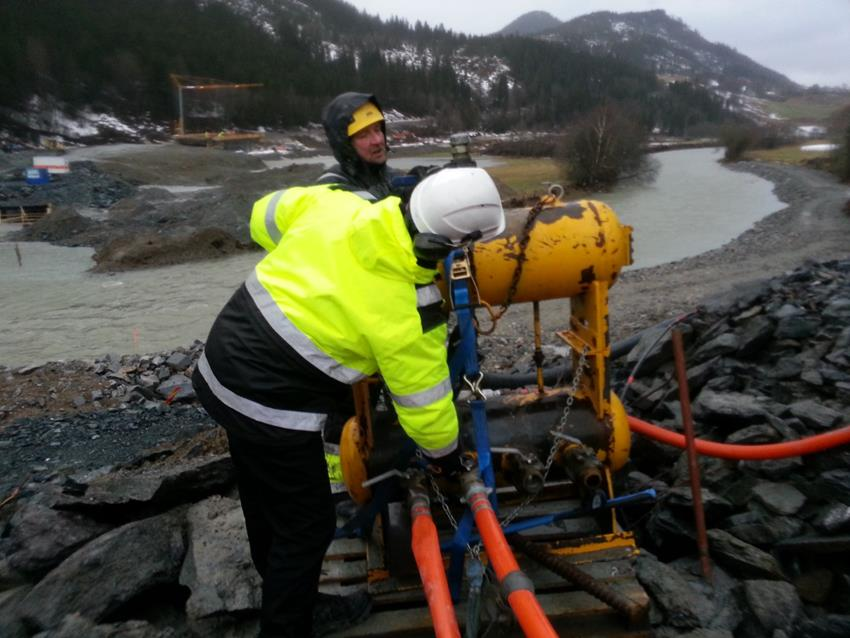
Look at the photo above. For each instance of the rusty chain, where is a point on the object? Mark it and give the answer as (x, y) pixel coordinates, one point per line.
(553, 195)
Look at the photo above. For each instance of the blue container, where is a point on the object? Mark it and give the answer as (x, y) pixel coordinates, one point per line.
(37, 176)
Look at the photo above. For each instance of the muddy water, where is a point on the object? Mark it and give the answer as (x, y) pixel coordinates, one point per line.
(52, 308)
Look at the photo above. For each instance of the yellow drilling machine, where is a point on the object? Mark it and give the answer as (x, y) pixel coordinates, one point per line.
(529, 541)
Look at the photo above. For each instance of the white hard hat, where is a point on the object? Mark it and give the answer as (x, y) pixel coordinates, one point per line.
(457, 202)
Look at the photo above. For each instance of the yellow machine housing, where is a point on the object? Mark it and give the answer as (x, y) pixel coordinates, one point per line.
(572, 250)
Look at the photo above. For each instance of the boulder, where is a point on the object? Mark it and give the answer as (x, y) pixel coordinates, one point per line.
(11, 622)
(728, 408)
(39, 538)
(76, 626)
(774, 605)
(814, 414)
(681, 605)
(108, 572)
(742, 559)
(780, 498)
(218, 568)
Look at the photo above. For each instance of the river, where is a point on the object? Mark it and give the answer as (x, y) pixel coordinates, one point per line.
(51, 308)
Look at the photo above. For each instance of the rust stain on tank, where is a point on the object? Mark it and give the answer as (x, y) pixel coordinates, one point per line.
(587, 275)
(591, 206)
(600, 239)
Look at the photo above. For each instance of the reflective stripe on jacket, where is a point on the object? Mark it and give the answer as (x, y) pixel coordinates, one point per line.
(340, 286)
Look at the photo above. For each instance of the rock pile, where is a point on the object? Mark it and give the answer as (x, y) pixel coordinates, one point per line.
(772, 366)
(85, 186)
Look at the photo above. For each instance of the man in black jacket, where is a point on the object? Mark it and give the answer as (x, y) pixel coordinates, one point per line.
(357, 134)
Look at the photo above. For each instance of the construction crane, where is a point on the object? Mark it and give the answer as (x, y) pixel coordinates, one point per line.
(194, 83)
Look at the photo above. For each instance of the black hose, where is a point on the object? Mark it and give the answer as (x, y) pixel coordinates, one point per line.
(551, 376)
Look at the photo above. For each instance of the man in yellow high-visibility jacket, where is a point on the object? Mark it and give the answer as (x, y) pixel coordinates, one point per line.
(342, 294)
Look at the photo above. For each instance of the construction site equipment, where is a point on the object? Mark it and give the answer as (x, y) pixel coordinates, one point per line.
(23, 214)
(545, 455)
(184, 83)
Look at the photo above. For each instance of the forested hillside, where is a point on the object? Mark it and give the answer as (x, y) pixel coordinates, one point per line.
(118, 56)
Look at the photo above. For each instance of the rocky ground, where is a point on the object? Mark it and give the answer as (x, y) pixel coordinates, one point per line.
(97, 457)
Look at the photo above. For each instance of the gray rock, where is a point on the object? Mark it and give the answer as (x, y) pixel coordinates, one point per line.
(827, 626)
(670, 591)
(11, 622)
(177, 387)
(754, 434)
(795, 328)
(742, 559)
(218, 568)
(814, 415)
(779, 498)
(724, 344)
(728, 408)
(754, 336)
(76, 626)
(837, 309)
(164, 484)
(833, 519)
(766, 531)
(786, 368)
(834, 484)
(775, 469)
(178, 361)
(40, 537)
(108, 572)
(715, 507)
(655, 347)
(812, 377)
(786, 311)
(775, 604)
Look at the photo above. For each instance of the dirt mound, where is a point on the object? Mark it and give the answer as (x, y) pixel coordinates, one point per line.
(152, 249)
(62, 224)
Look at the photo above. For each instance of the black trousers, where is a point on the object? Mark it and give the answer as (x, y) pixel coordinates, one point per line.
(289, 512)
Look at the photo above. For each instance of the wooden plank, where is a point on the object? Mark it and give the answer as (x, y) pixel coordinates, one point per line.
(334, 571)
(343, 548)
(574, 614)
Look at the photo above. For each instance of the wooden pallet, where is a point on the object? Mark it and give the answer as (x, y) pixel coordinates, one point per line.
(400, 608)
(25, 215)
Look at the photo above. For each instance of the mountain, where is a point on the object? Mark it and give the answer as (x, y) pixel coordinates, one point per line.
(531, 23)
(666, 46)
(102, 56)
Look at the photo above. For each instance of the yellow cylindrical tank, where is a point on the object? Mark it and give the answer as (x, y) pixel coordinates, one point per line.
(571, 244)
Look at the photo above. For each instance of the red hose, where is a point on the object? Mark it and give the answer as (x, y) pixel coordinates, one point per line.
(801, 447)
(525, 606)
(429, 560)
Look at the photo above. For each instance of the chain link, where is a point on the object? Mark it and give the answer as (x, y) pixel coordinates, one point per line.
(524, 240)
(559, 429)
(474, 550)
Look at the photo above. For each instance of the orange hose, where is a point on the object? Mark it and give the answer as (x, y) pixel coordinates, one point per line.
(429, 560)
(764, 452)
(525, 606)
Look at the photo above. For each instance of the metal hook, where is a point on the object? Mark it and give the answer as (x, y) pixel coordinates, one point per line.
(475, 386)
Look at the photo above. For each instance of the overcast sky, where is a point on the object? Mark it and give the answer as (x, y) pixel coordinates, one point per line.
(808, 41)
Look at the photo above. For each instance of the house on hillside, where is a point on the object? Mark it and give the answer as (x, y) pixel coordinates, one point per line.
(810, 131)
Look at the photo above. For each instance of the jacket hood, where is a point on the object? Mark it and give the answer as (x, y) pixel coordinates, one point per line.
(336, 118)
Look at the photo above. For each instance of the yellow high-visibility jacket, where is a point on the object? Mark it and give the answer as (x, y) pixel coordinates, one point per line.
(338, 297)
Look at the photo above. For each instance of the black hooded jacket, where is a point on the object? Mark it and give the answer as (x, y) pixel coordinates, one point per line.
(352, 171)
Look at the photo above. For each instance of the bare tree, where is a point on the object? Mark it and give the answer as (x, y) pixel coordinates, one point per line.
(603, 147)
